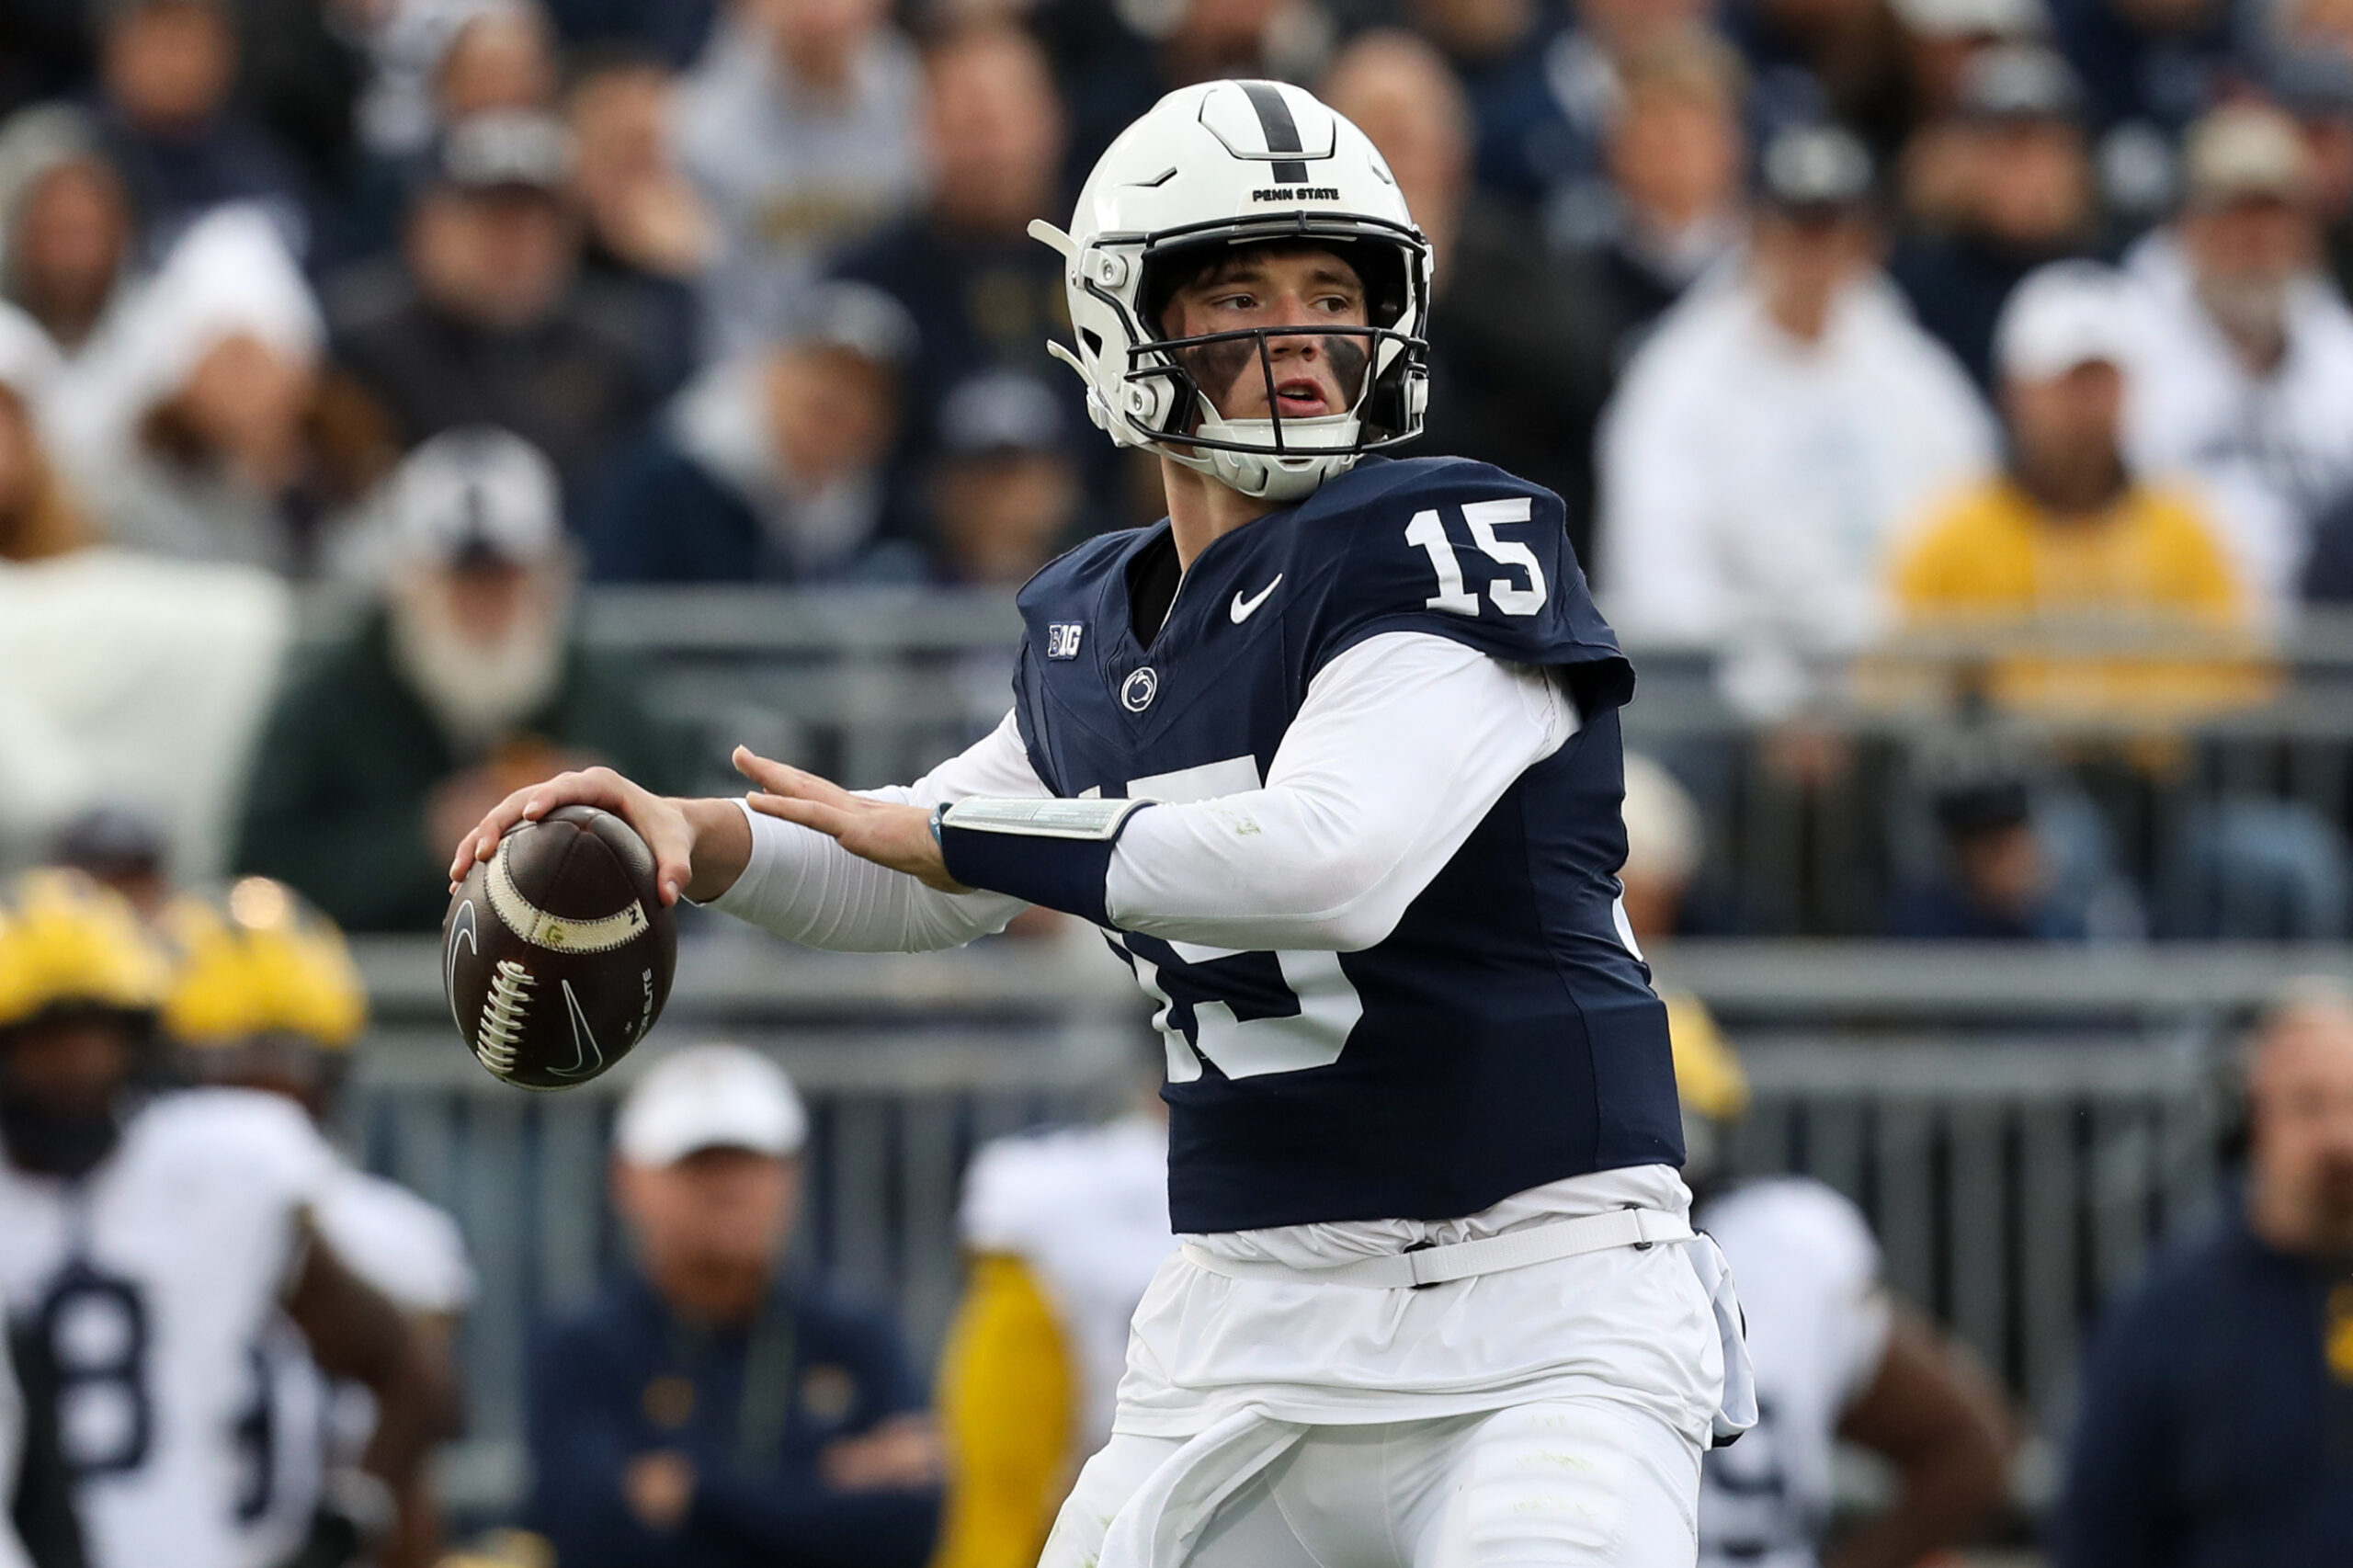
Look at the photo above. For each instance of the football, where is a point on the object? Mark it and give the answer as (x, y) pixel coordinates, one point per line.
(558, 952)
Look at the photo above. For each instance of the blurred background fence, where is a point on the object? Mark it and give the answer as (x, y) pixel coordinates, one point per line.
(2019, 1123)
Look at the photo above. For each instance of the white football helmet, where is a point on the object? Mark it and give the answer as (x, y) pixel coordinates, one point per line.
(1227, 164)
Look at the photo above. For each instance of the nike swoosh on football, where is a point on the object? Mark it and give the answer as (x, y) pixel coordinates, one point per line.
(585, 1056)
(1244, 609)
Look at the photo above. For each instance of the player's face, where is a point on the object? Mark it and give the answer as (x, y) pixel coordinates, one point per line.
(67, 1067)
(1314, 373)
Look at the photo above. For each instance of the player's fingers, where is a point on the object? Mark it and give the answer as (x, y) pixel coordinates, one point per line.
(478, 844)
(782, 778)
(829, 820)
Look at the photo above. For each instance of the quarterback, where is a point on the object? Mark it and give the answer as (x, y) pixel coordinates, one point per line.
(1331, 755)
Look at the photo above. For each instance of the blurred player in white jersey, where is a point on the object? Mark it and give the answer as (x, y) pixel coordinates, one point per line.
(1062, 1230)
(265, 996)
(1835, 1357)
(151, 1240)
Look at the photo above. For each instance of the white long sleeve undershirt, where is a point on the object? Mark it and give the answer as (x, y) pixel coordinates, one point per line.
(1403, 744)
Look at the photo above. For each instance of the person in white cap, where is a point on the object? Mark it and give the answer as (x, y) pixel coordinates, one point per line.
(466, 677)
(2245, 354)
(712, 1407)
(2066, 529)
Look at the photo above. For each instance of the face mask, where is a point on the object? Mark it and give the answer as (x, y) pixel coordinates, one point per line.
(47, 1143)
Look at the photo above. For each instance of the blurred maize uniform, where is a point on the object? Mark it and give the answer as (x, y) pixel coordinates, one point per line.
(267, 997)
(146, 1238)
(1064, 1230)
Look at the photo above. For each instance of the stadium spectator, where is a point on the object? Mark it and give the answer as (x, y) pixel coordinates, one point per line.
(801, 127)
(714, 1406)
(1995, 879)
(1847, 60)
(193, 423)
(2023, 194)
(1007, 494)
(484, 318)
(648, 236)
(2316, 89)
(767, 467)
(2245, 363)
(2067, 534)
(1062, 1231)
(171, 122)
(2150, 65)
(122, 848)
(1772, 435)
(981, 293)
(503, 57)
(2215, 1395)
(1944, 35)
(69, 231)
(265, 996)
(465, 678)
(1676, 156)
(1521, 359)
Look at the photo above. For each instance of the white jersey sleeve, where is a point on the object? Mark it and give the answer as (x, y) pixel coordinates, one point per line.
(1808, 1271)
(1402, 746)
(398, 1242)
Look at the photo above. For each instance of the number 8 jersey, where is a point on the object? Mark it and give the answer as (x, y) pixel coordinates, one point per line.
(1499, 1033)
(153, 1281)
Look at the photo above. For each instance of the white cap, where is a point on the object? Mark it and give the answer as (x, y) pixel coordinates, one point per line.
(2063, 316)
(1665, 836)
(477, 491)
(710, 1096)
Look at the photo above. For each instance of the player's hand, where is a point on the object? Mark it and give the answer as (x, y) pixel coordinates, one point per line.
(659, 1488)
(902, 1453)
(700, 847)
(881, 831)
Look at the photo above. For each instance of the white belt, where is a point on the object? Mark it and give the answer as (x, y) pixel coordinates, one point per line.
(1488, 1255)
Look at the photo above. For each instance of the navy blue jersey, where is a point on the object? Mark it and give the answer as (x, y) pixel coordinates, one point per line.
(1503, 1036)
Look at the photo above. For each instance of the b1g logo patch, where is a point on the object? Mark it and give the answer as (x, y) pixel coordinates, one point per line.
(1062, 639)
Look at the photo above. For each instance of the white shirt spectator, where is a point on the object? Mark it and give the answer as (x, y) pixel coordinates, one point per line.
(791, 177)
(2269, 450)
(230, 275)
(1751, 481)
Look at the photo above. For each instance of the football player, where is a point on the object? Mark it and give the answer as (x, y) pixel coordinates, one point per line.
(1063, 1229)
(153, 1240)
(266, 997)
(1331, 755)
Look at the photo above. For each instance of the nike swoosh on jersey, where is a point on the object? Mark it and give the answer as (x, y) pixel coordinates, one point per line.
(1244, 609)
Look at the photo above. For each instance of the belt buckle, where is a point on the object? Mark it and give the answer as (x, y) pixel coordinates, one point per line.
(1424, 1245)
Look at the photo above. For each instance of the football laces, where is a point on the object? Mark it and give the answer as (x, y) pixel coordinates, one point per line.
(502, 1016)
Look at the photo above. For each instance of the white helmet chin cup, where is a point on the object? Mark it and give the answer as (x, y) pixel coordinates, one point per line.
(1229, 164)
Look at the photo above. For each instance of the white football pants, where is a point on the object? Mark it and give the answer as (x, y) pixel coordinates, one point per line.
(1569, 1483)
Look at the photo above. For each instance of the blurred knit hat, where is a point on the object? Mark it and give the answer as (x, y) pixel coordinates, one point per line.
(1818, 167)
(857, 317)
(1973, 18)
(504, 150)
(2063, 316)
(2019, 82)
(475, 495)
(2244, 151)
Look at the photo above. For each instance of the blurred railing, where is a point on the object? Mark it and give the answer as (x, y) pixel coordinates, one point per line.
(2019, 1122)
(2021, 1125)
